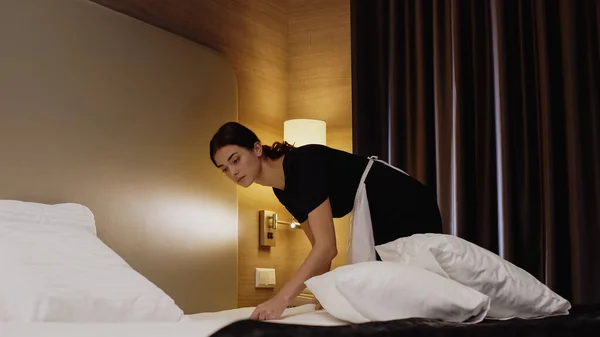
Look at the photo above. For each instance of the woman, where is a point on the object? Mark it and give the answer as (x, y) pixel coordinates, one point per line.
(317, 184)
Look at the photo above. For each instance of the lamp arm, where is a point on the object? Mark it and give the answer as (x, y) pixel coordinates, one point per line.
(275, 221)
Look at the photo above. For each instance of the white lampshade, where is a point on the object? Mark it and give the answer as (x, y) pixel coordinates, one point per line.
(300, 132)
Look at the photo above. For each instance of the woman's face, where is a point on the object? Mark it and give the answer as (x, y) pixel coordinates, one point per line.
(240, 165)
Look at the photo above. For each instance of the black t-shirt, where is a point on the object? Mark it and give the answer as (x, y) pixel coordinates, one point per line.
(314, 173)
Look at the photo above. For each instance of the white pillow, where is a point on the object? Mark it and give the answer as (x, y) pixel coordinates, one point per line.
(513, 291)
(383, 291)
(66, 214)
(54, 268)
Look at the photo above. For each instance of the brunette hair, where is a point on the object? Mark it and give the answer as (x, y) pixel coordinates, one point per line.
(233, 133)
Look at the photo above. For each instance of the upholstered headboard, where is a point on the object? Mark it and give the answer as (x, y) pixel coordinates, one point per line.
(103, 110)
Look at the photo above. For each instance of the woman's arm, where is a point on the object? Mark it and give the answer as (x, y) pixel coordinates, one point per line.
(321, 233)
(309, 234)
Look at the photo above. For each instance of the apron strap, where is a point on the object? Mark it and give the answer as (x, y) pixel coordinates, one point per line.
(366, 171)
(375, 158)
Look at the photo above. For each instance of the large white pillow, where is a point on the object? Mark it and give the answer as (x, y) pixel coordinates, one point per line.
(513, 291)
(55, 268)
(383, 291)
(66, 214)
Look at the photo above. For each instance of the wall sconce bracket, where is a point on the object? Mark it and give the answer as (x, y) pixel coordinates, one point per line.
(268, 223)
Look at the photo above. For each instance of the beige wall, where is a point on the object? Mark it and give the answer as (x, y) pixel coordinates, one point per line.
(319, 61)
(292, 59)
(101, 109)
(253, 37)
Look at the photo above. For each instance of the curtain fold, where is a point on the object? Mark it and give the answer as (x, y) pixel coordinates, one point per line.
(495, 104)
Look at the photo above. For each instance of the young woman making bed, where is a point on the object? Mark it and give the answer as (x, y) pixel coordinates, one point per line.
(316, 184)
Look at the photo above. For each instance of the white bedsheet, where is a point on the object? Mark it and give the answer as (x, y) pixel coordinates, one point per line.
(197, 325)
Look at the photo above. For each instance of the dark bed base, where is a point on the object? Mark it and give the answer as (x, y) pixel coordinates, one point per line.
(583, 321)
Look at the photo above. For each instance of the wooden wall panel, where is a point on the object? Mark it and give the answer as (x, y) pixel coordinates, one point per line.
(250, 255)
(319, 61)
(320, 81)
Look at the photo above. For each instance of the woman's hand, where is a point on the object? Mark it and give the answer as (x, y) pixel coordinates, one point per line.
(271, 309)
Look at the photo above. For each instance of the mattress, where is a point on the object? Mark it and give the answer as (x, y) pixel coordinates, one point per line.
(196, 325)
(583, 321)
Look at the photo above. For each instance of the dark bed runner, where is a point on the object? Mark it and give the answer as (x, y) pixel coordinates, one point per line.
(583, 321)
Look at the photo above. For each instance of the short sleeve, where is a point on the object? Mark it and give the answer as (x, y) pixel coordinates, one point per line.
(300, 216)
(307, 171)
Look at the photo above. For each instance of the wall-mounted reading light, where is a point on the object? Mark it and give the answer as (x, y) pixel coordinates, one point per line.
(268, 222)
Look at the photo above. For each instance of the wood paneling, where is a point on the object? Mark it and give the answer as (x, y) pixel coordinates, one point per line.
(319, 75)
(320, 81)
(292, 59)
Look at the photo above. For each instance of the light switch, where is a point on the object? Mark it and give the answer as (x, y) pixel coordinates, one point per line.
(271, 276)
(265, 278)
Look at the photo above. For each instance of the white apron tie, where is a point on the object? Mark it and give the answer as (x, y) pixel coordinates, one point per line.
(361, 242)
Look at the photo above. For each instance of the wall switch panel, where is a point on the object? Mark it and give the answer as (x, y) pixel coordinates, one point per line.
(265, 278)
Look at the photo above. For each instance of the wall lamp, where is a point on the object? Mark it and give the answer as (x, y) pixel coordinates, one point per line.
(303, 131)
(268, 222)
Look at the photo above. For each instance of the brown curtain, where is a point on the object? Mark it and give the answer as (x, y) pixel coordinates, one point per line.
(495, 103)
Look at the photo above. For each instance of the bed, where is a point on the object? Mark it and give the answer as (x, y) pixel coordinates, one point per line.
(197, 325)
(60, 279)
(583, 321)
